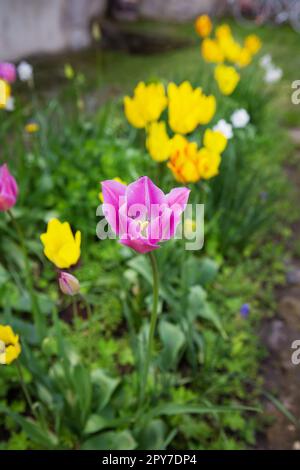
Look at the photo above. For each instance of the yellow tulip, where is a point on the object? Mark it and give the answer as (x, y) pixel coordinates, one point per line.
(147, 104)
(188, 107)
(5, 91)
(223, 31)
(244, 58)
(214, 141)
(230, 48)
(209, 163)
(211, 51)
(10, 348)
(184, 160)
(60, 245)
(158, 142)
(253, 43)
(207, 109)
(203, 25)
(227, 78)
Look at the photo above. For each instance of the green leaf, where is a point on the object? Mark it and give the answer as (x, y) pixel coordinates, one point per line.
(4, 275)
(199, 307)
(153, 435)
(40, 436)
(169, 409)
(83, 388)
(95, 423)
(208, 270)
(173, 341)
(106, 386)
(111, 440)
(201, 271)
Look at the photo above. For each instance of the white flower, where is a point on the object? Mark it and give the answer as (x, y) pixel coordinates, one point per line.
(273, 75)
(225, 128)
(25, 71)
(240, 118)
(266, 61)
(10, 104)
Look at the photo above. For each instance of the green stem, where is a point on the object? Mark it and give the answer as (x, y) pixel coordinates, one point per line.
(153, 322)
(38, 318)
(25, 391)
(89, 317)
(76, 316)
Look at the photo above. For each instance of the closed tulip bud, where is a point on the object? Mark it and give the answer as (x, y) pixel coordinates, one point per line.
(8, 72)
(68, 284)
(8, 189)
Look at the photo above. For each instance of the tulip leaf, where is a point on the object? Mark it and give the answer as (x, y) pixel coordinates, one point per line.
(199, 307)
(4, 275)
(122, 440)
(153, 435)
(105, 387)
(40, 436)
(173, 341)
(170, 409)
(201, 271)
(207, 271)
(95, 423)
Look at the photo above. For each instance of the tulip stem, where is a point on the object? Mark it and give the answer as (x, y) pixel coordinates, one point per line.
(38, 320)
(89, 329)
(25, 390)
(153, 322)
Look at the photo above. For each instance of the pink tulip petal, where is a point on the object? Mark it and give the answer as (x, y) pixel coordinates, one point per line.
(139, 245)
(8, 189)
(144, 192)
(178, 196)
(141, 214)
(8, 72)
(177, 200)
(113, 196)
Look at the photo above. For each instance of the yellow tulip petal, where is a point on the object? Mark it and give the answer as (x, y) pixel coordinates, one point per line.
(12, 353)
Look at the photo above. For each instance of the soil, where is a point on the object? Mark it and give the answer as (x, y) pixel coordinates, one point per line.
(281, 376)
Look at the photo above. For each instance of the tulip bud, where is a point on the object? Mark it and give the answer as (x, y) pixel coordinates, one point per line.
(8, 72)
(8, 189)
(68, 284)
(69, 71)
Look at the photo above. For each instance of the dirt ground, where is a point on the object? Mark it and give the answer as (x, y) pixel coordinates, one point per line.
(281, 376)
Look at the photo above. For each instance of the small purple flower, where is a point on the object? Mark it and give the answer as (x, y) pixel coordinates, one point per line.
(245, 310)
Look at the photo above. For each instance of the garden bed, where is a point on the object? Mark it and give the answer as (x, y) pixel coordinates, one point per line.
(207, 387)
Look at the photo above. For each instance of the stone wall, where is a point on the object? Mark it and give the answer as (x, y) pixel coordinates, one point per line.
(37, 26)
(47, 26)
(176, 10)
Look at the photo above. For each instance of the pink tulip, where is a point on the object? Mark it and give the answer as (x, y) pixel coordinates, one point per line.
(8, 189)
(68, 284)
(8, 72)
(141, 214)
